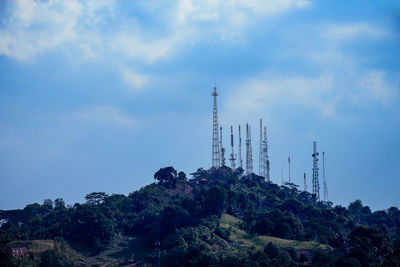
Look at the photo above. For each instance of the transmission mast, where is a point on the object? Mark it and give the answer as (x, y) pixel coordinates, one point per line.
(326, 198)
(261, 157)
(215, 142)
(315, 179)
(222, 148)
(266, 157)
(305, 182)
(240, 151)
(249, 157)
(289, 168)
(233, 156)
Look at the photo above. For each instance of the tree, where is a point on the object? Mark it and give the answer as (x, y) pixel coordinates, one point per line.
(215, 199)
(166, 176)
(369, 246)
(59, 204)
(95, 198)
(47, 206)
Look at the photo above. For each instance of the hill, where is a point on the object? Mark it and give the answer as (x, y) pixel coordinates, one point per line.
(217, 218)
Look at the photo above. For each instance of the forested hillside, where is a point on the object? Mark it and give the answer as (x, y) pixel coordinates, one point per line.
(216, 218)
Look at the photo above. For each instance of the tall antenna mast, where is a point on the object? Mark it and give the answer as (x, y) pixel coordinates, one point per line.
(215, 144)
(266, 157)
(281, 177)
(315, 179)
(222, 148)
(326, 198)
(261, 157)
(240, 151)
(233, 156)
(249, 156)
(289, 167)
(305, 182)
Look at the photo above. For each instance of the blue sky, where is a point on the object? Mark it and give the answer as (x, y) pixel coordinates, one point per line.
(98, 95)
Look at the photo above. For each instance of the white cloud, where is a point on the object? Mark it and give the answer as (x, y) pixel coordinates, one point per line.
(36, 27)
(377, 88)
(104, 116)
(351, 30)
(264, 93)
(135, 80)
(133, 46)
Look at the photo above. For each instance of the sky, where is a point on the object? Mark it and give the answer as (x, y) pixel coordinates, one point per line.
(99, 95)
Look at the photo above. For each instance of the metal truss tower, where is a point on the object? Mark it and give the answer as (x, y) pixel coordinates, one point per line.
(215, 142)
(223, 163)
(233, 156)
(266, 157)
(240, 161)
(305, 182)
(249, 156)
(264, 167)
(326, 198)
(261, 157)
(315, 179)
(289, 168)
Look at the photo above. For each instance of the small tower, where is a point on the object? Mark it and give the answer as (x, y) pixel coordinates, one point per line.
(289, 168)
(222, 148)
(249, 156)
(266, 157)
(326, 198)
(215, 142)
(315, 178)
(233, 156)
(240, 161)
(305, 182)
(261, 157)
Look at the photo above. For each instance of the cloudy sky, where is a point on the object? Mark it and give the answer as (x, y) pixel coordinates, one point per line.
(98, 95)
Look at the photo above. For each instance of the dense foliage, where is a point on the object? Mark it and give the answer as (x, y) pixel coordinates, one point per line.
(183, 217)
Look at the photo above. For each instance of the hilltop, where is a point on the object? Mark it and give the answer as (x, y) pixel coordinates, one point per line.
(220, 217)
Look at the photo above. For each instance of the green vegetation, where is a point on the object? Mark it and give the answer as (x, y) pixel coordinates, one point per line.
(218, 218)
(241, 237)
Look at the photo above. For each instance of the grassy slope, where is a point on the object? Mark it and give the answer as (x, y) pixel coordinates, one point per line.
(241, 238)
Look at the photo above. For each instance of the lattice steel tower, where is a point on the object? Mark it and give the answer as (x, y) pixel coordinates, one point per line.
(249, 153)
(215, 142)
(315, 179)
(223, 163)
(240, 161)
(233, 156)
(261, 157)
(326, 198)
(266, 157)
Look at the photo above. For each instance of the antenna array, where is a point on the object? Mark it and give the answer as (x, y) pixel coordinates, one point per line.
(315, 179)
(249, 156)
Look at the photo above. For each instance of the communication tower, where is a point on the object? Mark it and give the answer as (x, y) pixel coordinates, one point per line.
(261, 157)
(266, 157)
(222, 148)
(289, 168)
(215, 142)
(315, 179)
(233, 156)
(240, 161)
(249, 156)
(326, 198)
